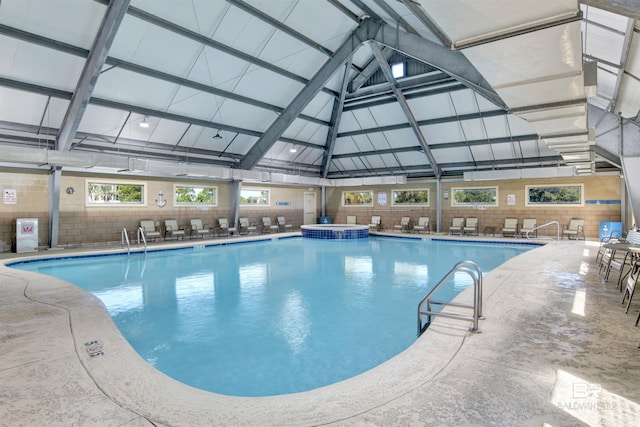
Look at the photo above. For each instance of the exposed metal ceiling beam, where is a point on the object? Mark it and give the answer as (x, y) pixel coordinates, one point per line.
(336, 116)
(277, 128)
(484, 39)
(415, 127)
(395, 16)
(427, 91)
(628, 8)
(113, 17)
(626, 46)
(368, 71)
(426, 80)
(419, 13)
(441, 146)
(453, 167)
(199, 38)
(146, 71)
(427, 122)
(450, 62)
(46, 91)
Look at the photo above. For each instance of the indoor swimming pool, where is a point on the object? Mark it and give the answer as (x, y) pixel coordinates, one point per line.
(275, 316)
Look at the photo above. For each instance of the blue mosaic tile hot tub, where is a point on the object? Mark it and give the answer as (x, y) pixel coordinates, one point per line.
(335, 231)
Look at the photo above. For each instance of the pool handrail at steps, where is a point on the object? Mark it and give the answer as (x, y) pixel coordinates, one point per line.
(542, 226)
(474, 271)
(144, 239)
(124, 238)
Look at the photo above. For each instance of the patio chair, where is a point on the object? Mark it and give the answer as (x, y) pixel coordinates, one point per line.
(632, 281)
(375, 224)
(172, 230)
(150, 229)
(470, 227)
(351, 219)
(456, 226)
(575, 228)
(404, 225)
(223, 227)
(529, 224)
(245, 227)
(510, 227)
(267, 227)
(198, 229)
(422, 226)
(282, 224)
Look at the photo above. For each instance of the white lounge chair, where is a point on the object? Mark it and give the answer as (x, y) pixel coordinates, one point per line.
(198, 229)
(267, 227)
(529, 226)
(456, 226)
(422, 226)
(351, 219)
(223, 227)
(574, 229)
(470, 226)
(404, 225)
(172, 230)
(510, 227)
(245, 227)
(282, 224)
(150, 229)
(375, 224)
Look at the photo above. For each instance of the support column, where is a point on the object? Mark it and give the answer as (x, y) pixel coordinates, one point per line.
(234, 202)
(438, 204)
(55, 175)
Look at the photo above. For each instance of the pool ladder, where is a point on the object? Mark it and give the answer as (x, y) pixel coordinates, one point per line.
(124, 238)
(473, 270)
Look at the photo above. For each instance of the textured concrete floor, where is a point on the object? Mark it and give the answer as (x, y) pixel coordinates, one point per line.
(556, 349)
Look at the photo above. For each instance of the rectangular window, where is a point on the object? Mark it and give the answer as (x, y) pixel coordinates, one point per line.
(413, 197)
(186, 195)
(254, 197)
(554, 195)
(115, 194)
(357, 198)
(475, 196)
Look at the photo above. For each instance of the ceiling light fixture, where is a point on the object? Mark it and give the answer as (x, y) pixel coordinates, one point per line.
(144, 123)
(217, 135)
(293, 150)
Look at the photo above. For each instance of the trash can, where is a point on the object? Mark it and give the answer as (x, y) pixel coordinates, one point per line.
(325, 220)
(26, 235)
(608, 229)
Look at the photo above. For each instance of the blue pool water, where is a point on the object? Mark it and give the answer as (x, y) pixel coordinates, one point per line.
(272, 317)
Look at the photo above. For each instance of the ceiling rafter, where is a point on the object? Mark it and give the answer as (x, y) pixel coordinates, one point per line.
(111, 21)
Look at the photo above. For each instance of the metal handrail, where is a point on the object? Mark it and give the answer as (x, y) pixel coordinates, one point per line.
(542, 226)
(474, 271)
(124, 237)
(144, 239)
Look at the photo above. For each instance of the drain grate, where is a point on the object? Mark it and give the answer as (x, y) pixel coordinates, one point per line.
(94, 348)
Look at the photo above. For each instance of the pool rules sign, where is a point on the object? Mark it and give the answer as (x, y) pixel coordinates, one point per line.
(10, 197)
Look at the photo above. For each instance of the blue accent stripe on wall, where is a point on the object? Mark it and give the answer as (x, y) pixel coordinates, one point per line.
(602, 202)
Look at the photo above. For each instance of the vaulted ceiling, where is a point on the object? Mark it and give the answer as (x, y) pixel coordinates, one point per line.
(305, 87)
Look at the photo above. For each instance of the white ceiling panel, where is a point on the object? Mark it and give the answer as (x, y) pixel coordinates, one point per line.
(349, 122)
(279, 91)
(473, 129)
(218, 69)
(307, 131)
(561, 125)
(629, 104)
(319, 107)
(414, 159)
(431, 107)
(483, 153)
(464, 102)
(109, 121)
(39, 65)
(603, 17)
(292, 55)
(387, 114)
(200, 16)
(604, 44)
(402, 138)
(555, 51)
(70, 21)
(496, 127)
(452, 155)
(519, 126)
(442, 132)
(544, 92)
(125, 86)
(329, 31)
(554, 113)
(167, 131)
(471, 19)
(21, 107)
(150, 45)
(606, 82)
(345, 146)
(362, 143)
(503, 151)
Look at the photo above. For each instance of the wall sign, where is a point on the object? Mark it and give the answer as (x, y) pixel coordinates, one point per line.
(382, 199)
(10, 197)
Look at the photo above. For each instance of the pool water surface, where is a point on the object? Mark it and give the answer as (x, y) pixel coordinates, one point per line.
(276, 316)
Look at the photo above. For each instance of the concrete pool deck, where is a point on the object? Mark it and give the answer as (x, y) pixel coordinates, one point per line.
(556, 349)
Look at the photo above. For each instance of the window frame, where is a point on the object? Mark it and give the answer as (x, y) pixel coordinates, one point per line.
(349, 205)
(142, 184)
(427, 190)
(184, 204)
(456, 204)
(528, 203)
(268, 198)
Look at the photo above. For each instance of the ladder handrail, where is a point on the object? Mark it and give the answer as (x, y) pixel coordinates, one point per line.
(144, 239)
(542, 226)
(124, 237)
(474, 271)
